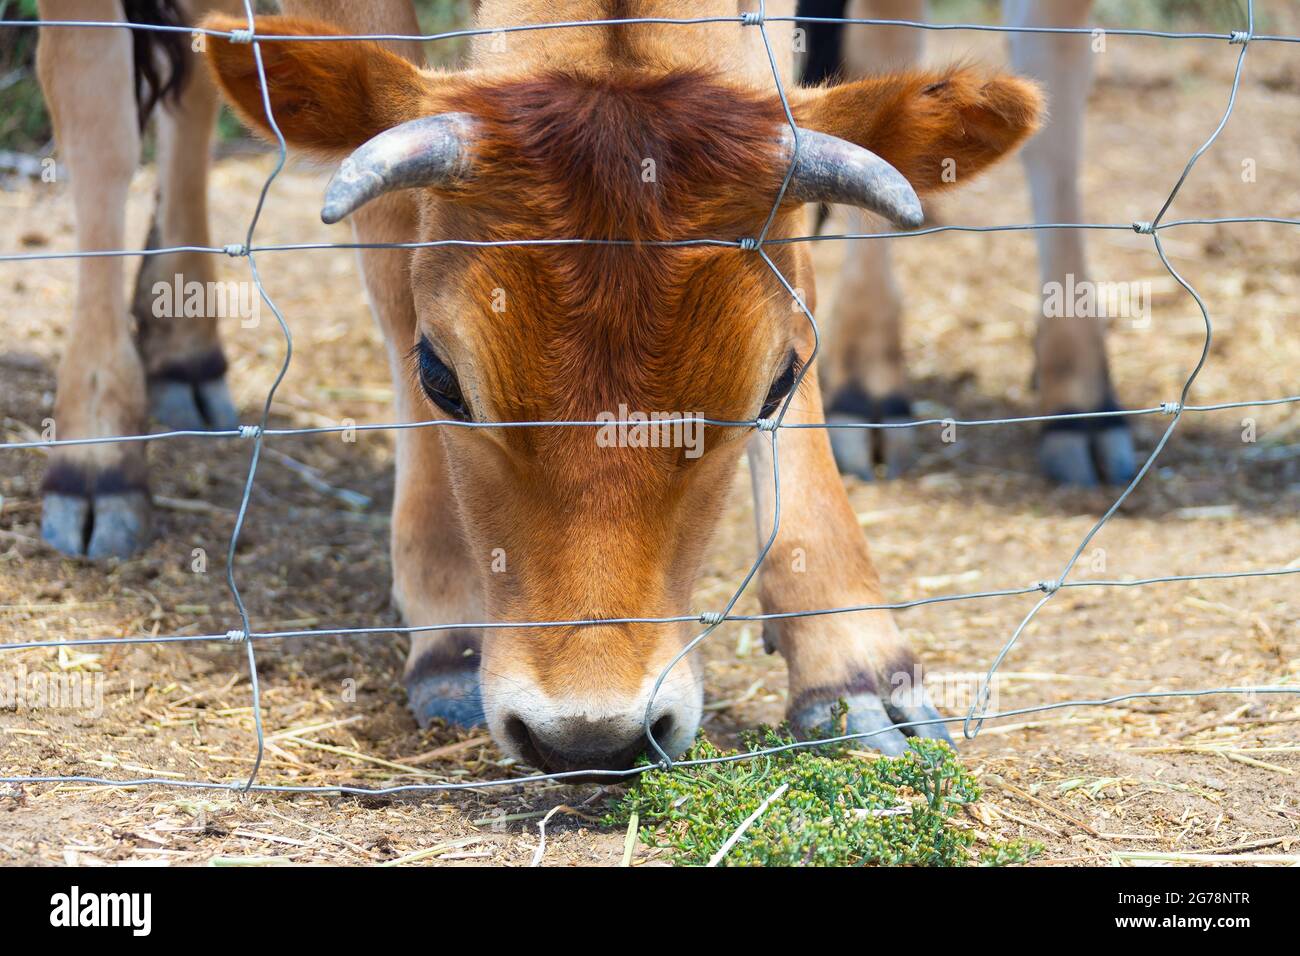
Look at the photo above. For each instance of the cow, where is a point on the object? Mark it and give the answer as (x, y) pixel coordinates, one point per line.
(864, 374)
(549, 133)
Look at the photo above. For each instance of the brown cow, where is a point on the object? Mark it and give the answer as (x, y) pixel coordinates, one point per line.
(547, 133)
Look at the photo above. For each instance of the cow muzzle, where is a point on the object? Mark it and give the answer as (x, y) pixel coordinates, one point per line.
(560, 738)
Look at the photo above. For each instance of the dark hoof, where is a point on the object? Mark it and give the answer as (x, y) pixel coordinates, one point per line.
(452, 695)
(851, 448)
(869, 714)
(101, 526)
(1118, 458)
(1066, 459)
(859, 451)
(193, 396)
(1086, 452)
(897, 448)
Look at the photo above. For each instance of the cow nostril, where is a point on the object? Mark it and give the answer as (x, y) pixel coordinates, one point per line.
(590, 746)
(522, 739)
(662, 729)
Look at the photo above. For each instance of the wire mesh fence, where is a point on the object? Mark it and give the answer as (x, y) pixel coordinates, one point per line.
(243, 632)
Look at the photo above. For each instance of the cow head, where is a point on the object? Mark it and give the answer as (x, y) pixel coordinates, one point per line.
(591, 522)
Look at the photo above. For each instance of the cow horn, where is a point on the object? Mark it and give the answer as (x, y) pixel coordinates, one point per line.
(832, 170)
(430, 151)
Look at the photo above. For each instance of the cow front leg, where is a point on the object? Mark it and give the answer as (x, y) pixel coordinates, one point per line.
(820, 560)
(435, 583)
(434, 578)
(96, 501)
(184, 363)
(1071, 367)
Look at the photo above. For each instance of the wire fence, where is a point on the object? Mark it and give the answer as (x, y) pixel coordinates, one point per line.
(770, 428)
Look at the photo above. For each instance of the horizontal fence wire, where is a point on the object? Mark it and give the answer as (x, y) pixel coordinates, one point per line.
(770, 429)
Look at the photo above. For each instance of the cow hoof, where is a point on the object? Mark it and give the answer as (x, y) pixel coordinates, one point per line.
(851, 448)
(858, 451)
(193, 406)
(1086, 452)
(101, 526)
(869, 714)
(1066, 459)
(897, 448)
(192, 395)
(1115, 454)
(452, 695)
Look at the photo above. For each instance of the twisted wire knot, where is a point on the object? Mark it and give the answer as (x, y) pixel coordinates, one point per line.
(766, 424)
(753, 18)
(236, 635)
(1144, 227)
(250, 431)
(1239, 37)
(241, 35)
(235, 249)
(1048, 587)
(749, 244)
(1170, 408)
(712, 618)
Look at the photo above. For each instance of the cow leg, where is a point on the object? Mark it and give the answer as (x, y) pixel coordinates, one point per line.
(1071, 367)
(183, 361)
(866, 379)
(866, 375)
(820, 560)
(96, 500)
(435, 580)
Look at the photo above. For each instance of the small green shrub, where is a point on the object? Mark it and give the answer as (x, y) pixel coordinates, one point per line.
(825, 817)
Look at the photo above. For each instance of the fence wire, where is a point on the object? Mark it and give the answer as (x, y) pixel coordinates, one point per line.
(972, 722)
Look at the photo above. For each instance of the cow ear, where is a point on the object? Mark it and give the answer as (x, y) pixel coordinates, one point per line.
(937, 128)
(327, 97)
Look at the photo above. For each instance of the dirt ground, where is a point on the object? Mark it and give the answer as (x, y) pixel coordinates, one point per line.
(1214, 775)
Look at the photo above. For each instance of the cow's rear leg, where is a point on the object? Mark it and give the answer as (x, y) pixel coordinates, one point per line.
(866, 375)
(820, 560)
(1072, 371)
(96, 501)
(183, 359)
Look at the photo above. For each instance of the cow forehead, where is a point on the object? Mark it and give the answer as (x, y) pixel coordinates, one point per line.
(564, 334)
(633, 157)
(566, 331)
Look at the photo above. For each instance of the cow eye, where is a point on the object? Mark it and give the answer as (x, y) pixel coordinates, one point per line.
(781, 387)
(438, 380)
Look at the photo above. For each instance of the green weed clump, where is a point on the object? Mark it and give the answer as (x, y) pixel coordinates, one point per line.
(838, 810)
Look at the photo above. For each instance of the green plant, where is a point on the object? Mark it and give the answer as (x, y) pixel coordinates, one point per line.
(837, 810)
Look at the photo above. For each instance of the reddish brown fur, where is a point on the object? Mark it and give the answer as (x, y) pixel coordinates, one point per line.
(562, 157)
(590, 327)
